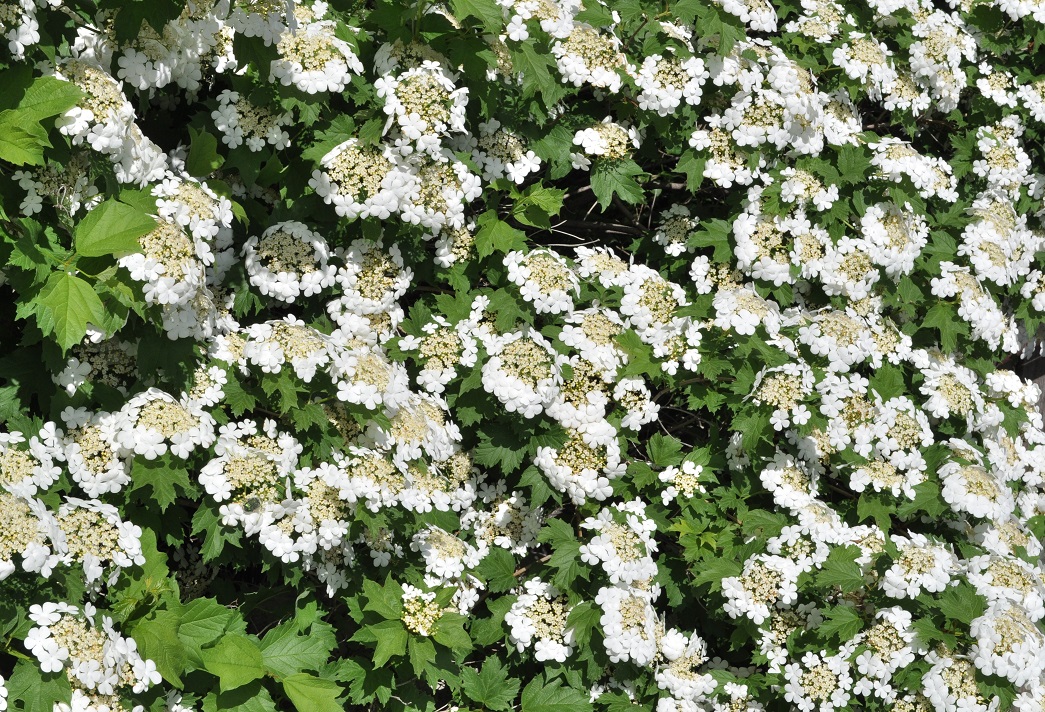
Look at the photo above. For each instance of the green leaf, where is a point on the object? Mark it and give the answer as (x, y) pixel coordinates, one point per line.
(35, 690)
(498, 570)
(248, 698)
(386, 601)
(391, 640)
(365, 682)
(22, 134)
(312, 694)
(509, 315)
(161, 477)
(370, 132)
(10, 404)
(499, 446)
(714, 570)
(537, 205)
(962, 603)
(583, 619)
(305, 415)
(236, 660)
(928, 631)
(203, 621)
(840, 569)
(284, 651)
(497, 235)
(203, 158)
(554, 148)
(908, 291)
(693, 166)
(639, 354)
(853, 164)
(490, 687)
(490, 630)
(535, 68)
(596, 15)
(565, 551)
(65, 306)
(421, 652)
(888, 381)
(537, 486)
(238, 400)
(341, 129)
(871, 505)
(157, 13)
(758, 522)
(714, 234)
(665, 450)
(449, 631)
(21, 140)
(206, 520)
(841, 623)
(944, 318)
(158, 640)
(112, 228)
(35, 249)
(46, 97)
(995, 687)
(927, 498)
(486, 11)
(752, 425)
(551, 696)
(616, 177)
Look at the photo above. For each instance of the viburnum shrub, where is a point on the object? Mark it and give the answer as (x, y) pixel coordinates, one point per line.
(537, 355)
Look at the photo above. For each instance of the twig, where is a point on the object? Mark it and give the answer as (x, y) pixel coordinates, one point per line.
(523, 569)
(680, 384)
(590, 226)
(619, 204)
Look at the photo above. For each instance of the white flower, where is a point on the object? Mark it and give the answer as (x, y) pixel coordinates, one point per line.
(360, 181)
(589, 56)
(922, 565)
(819, 682)
(584, 465)
(523, 372)
(668, 81)
(152, 419)
(502, 153)
(425, 104)
(977, 490)
(287, 261)
(890, 644)
(629, 623)
(684, 656)
(538, 618)
(544, 278)
(951, 683)
(314, 60)
(765, 581)
(446, 556)
(742, 310)
(624, 549)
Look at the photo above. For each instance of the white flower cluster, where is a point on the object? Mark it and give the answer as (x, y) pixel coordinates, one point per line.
(607, 141)
(20, 27)
(100, 663)
(105, 120)
(501, 153)
(68, 186)
(189, 46)
(312, 57)
(288, 261)
(241, 122)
